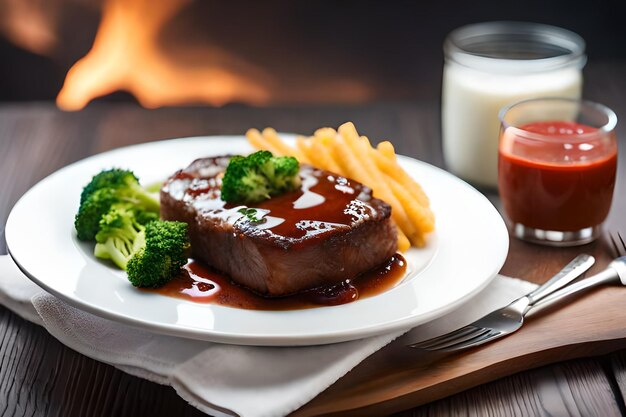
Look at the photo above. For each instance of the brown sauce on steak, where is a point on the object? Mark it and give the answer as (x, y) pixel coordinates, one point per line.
(325, 204)
(200, 284)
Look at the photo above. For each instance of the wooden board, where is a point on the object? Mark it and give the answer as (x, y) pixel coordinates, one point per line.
(397, 377)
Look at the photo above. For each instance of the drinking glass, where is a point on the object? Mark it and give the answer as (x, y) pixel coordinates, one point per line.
(557, 161)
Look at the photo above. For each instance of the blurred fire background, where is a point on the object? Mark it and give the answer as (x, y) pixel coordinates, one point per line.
(187, 52)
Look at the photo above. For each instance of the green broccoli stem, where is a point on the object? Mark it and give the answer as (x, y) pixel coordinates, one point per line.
(145, 199)
(120, 235)
(154, 187)
(121, 248)
(110, 250)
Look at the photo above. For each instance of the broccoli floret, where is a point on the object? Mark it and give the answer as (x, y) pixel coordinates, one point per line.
(124, 185)
(162, 257)
(110, 178)
(113, 187)
(241, 183)
(259, 176)
(144, 217)
(96, 205)
(120, 236)
(286, 171)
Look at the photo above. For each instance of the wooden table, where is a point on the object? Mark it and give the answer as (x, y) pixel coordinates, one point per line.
(41, 377)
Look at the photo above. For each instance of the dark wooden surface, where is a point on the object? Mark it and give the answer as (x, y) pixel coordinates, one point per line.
(41, 377)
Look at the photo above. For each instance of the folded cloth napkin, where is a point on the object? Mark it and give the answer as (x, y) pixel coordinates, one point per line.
(220, 379)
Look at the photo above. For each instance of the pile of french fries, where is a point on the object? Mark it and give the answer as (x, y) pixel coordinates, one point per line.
(346, 153)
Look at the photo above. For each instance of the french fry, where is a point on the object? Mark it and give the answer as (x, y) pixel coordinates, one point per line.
(344, 148)
(415, 202)
(258, 141)
(386, 149)
(324, 134)
(304, 146)
(321, 145)
(420, 216)
(394, 170)
(324, 156)
(403, 242)
(281, 147)
(356, 163)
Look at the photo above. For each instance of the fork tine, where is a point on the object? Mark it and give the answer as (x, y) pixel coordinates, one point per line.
(451, 341)
(462, 340)
(478, 340)
(463, 331)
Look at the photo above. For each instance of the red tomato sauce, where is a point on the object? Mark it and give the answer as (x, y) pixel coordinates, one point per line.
(563, 184)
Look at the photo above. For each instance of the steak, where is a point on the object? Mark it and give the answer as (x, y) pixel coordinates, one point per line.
(330, 230)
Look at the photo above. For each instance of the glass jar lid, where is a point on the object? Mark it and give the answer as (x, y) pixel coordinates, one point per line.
(515, 47)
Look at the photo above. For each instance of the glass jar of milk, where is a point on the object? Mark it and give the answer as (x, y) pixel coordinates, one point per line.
(490, 65)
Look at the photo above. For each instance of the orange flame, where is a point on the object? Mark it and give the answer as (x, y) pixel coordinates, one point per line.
(126, 55)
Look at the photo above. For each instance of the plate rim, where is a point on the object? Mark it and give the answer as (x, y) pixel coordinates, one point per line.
(219, 336)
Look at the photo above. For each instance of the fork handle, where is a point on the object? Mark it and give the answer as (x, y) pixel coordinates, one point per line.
(570, 272)
(614, 273)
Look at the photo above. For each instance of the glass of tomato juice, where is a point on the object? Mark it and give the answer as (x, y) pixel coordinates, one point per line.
(557, 161)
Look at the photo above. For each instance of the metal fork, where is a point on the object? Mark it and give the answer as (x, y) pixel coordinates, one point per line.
(509, 318)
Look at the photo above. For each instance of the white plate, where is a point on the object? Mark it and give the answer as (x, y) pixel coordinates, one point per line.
(467, 250)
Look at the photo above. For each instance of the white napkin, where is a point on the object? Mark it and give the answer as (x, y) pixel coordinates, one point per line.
(219, 379)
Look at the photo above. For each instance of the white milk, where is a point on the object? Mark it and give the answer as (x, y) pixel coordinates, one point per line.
(471, 100)
(489, 66)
